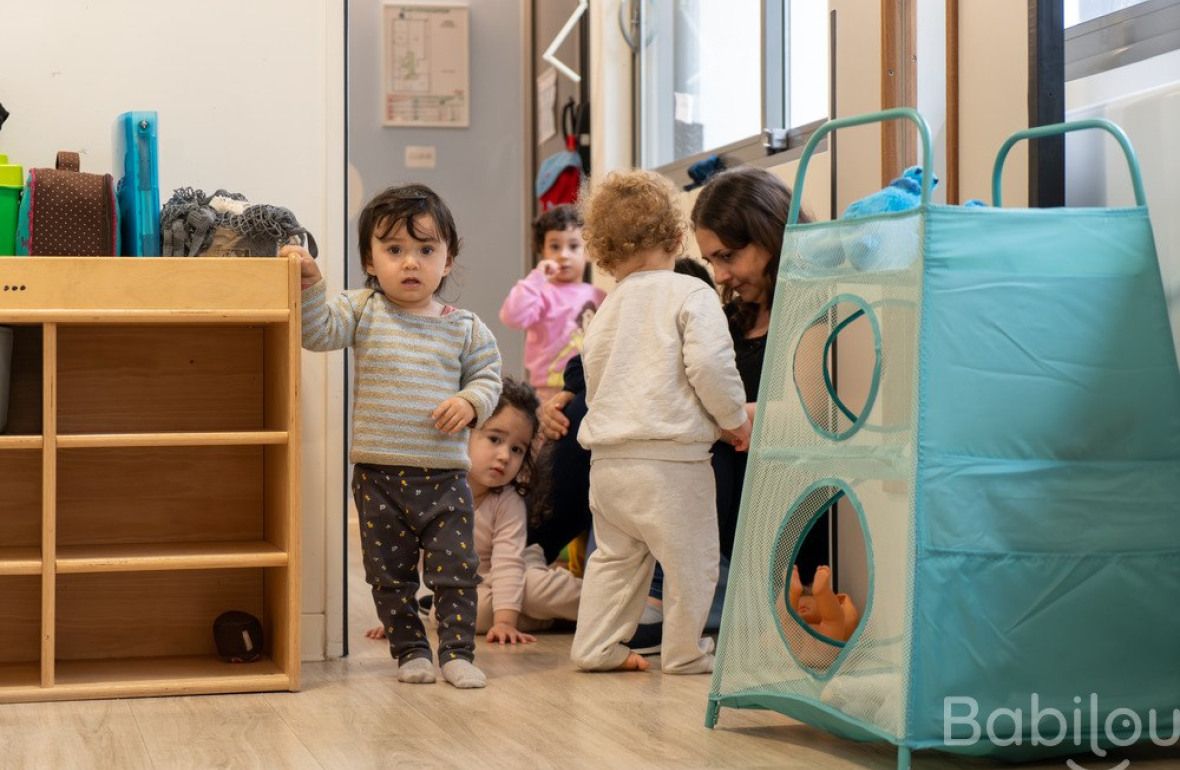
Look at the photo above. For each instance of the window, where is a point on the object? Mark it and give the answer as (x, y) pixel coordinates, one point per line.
(1103, 35)
(806, 38)
(710, 75)
(1079, 11)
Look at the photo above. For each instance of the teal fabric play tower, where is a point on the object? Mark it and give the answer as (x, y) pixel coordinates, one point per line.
(1007, 445)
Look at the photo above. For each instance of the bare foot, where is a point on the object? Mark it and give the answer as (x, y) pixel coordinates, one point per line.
(634, 662)
(376, 632)
(822, 581)
(796, 588)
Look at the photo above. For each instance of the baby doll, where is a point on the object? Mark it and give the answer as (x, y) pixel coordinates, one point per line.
(831, 614)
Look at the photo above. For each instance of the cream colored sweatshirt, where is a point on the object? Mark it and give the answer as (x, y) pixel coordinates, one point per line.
(660, 372)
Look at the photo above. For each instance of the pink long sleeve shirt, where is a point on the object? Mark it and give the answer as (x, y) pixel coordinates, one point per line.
(551, 314)
(501, 528)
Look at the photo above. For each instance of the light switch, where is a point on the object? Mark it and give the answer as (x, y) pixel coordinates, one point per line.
(420, 156)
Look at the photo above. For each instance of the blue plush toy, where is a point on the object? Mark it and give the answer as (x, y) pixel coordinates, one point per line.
(867, 249)
(901, 194)
(889, 245)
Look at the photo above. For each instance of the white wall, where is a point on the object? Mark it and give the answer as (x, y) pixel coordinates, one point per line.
(993, 97)
(858, 90)
(931, 83)
(611, 115)
(1144, 99)
(250, 98)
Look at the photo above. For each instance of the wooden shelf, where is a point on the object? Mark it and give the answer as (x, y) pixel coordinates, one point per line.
(257, 316)
(20, 561)
(149, 557)
(155, 290)
(21, 442)
(139, 677)
(203, 438)
(150, 480)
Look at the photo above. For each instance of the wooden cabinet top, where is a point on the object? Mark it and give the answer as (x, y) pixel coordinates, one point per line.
(146, 289)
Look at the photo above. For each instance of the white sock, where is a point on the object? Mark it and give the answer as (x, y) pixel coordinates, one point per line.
(416, 671)
(463, 674)
(652, 613)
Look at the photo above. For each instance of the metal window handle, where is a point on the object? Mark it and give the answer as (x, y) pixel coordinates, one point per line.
(775, 139)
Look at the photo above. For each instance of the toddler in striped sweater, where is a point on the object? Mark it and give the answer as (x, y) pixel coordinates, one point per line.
(425, 372)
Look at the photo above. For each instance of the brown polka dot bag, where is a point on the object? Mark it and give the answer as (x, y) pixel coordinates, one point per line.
(65, 212)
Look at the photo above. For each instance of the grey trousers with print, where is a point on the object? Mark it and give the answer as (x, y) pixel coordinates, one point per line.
(404, 512)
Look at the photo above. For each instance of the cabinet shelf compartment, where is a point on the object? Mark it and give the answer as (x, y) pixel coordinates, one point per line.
(20, 512)
(190, 507)
(151, 633)
(20, 632)
(25, 411)
(200, 378)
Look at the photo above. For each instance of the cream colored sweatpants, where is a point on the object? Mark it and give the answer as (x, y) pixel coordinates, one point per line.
(647, 511)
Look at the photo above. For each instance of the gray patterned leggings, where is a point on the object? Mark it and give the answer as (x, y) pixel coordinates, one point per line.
(404, 511)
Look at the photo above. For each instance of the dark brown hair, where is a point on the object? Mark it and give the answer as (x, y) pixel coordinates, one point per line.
(746, 205)
(690, 266)
(395, 205)
(557, 219)
(521, 396)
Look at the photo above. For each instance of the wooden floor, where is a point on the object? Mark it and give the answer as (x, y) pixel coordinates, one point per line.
(536, 712)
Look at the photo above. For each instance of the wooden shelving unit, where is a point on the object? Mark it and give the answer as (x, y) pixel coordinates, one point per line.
(149, 475)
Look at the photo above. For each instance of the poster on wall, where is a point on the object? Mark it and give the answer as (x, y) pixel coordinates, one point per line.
(425, 66)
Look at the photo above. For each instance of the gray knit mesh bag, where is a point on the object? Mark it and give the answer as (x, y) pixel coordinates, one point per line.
(225, 224)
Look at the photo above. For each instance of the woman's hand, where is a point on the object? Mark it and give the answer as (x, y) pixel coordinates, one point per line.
(506, 633)
(554, 423)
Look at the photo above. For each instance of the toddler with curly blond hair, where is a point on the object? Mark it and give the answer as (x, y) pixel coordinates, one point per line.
(661, 387)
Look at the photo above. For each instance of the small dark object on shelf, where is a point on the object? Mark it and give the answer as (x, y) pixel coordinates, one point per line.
(238, 636)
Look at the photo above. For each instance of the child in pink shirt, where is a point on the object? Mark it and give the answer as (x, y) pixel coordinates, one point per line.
(518, 592)
(553, 303)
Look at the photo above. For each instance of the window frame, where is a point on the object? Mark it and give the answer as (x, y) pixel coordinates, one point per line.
(775, 108)
(1120, 38)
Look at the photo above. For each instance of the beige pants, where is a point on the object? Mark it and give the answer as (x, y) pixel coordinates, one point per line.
(647, 511)
(549, 594)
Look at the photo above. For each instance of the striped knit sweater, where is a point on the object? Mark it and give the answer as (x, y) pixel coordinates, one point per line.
(405, 366)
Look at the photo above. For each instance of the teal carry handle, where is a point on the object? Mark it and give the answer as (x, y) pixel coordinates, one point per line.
(897, 113)
(1064, 128)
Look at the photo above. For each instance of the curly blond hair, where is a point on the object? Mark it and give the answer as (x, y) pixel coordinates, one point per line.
(631, 212)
